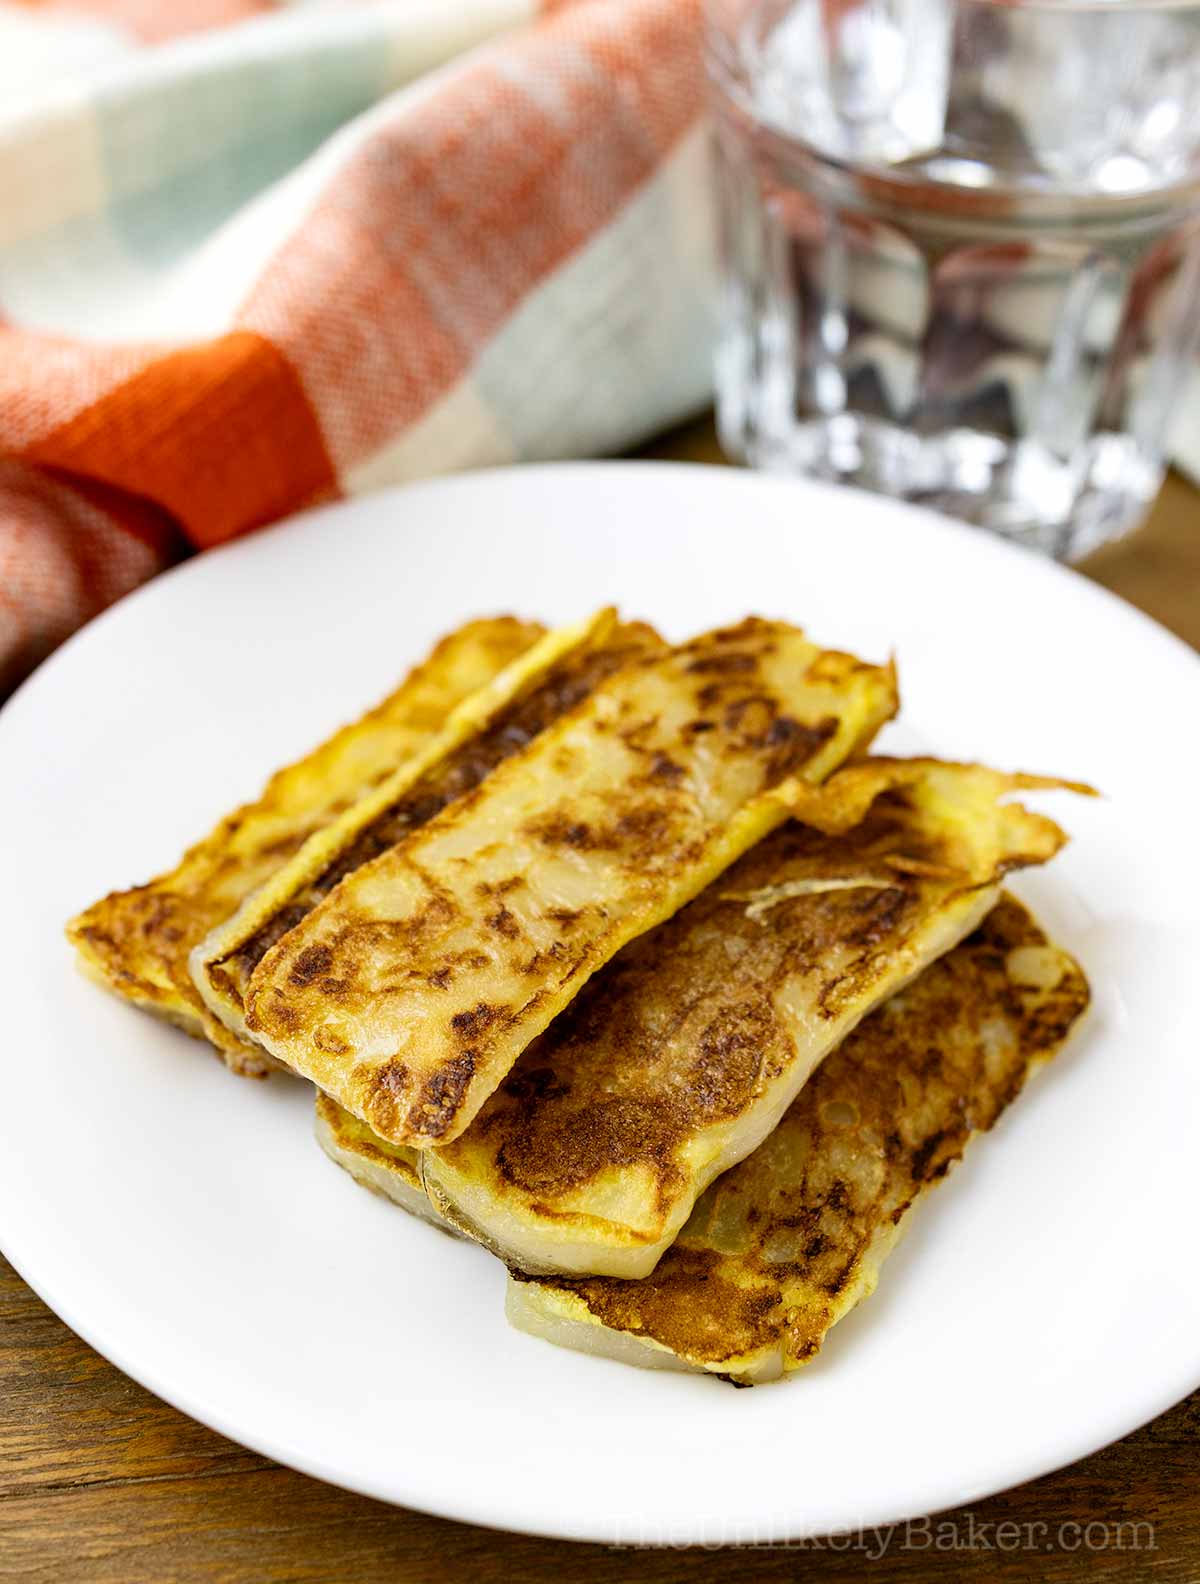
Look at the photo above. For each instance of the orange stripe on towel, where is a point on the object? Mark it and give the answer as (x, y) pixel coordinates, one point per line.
(221, 435)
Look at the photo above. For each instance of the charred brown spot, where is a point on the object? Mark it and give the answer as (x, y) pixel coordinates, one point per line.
(278, 1014)
(637, 832)
(923, 1157)
(664, 771)
(666, 1306)
(641, 833)
(559, 830)
(470, 1025)
(729, 1059)
(504, 923)
(310, 964)
(795, 743)
(535, 1083)
(499, 887)
(392, 1079)
(751, 719)
(441, 1095)
(555, 952)
(549, 1152)
(785, 730)
(734, 664)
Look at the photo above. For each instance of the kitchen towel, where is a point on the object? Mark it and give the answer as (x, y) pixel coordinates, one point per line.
(258, 256)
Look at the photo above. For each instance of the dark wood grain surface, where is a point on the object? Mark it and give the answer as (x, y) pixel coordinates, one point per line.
(101, 1481)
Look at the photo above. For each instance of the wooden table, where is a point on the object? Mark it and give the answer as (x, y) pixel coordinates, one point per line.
(101, 1481)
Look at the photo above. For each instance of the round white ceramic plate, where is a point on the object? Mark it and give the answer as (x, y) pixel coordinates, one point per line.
(1046, 1300)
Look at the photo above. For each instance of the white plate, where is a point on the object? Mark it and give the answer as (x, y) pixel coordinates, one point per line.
(1045, 1301)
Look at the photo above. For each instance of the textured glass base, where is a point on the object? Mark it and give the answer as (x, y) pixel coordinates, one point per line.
(1014, 488)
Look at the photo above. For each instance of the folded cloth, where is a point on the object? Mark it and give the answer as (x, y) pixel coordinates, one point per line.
(320, 250)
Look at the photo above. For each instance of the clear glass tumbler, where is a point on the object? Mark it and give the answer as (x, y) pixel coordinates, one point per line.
(961, 249)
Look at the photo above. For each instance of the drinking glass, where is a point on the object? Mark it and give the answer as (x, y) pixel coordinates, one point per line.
(961, 249)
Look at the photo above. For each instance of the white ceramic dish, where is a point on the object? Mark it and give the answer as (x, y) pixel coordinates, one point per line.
(1045, 1301)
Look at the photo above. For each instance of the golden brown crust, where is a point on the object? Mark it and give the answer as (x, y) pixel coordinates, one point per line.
(409, 991)
(782, 1246)
(136, 942)
(564, 686)
(673, 1063)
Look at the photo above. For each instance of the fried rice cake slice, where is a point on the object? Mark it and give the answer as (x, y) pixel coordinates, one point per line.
(408, 993)
(787, 1243)
(682, 1056)
(490, 726)
(136, 942)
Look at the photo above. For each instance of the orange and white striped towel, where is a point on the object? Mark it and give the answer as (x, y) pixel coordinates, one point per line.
(316, 249)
